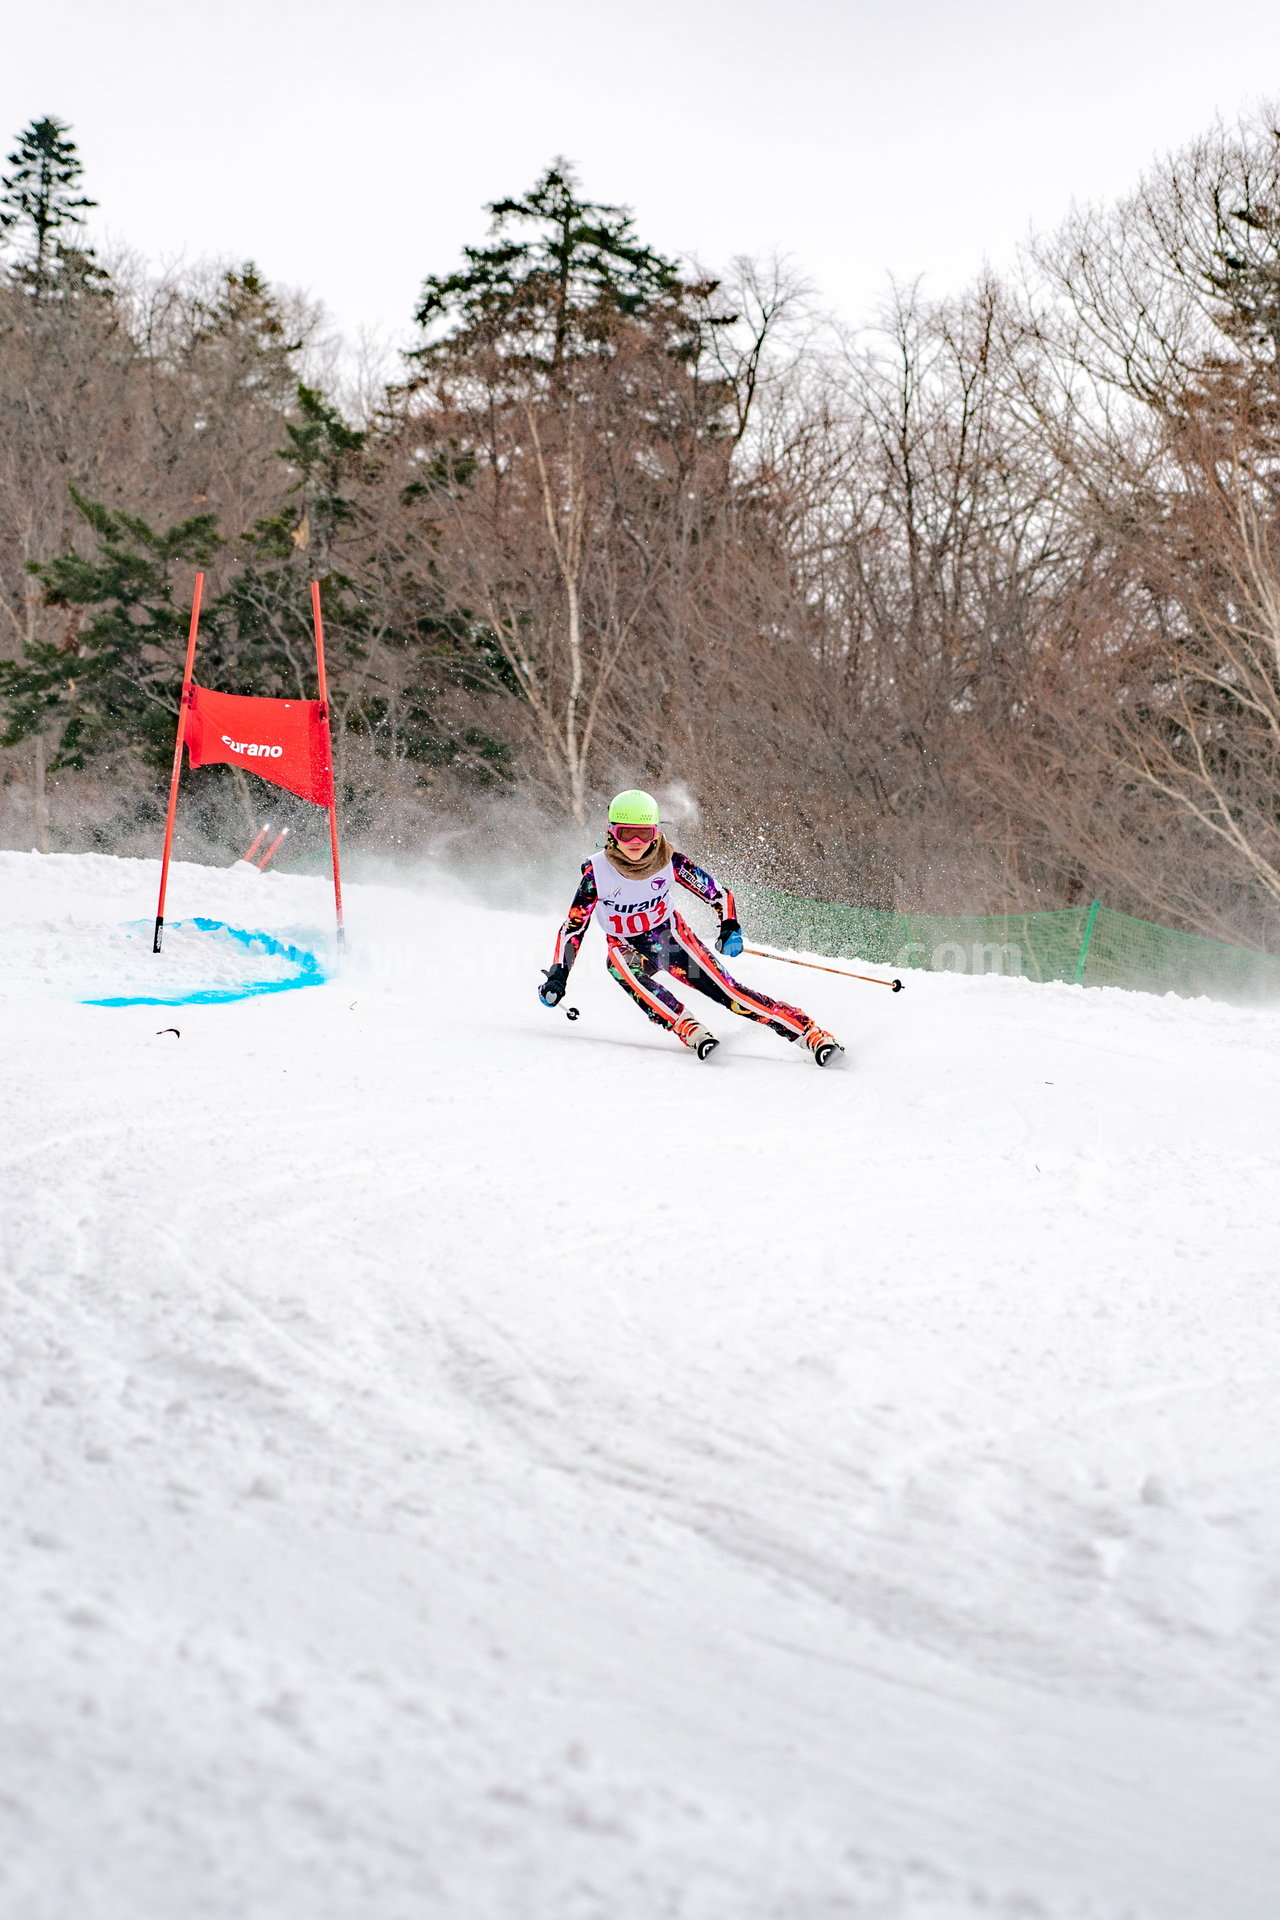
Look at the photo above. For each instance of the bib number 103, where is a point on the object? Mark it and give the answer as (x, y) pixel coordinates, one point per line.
(624, 923)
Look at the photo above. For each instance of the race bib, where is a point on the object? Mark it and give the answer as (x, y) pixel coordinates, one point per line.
(629, 908)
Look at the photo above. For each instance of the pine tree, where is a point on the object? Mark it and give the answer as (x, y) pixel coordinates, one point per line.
(243, 325)
(110, 684)
(565, 430)
(320, 451)
(558, 274)
(1244, 276)
(39, 197)
(264, 615)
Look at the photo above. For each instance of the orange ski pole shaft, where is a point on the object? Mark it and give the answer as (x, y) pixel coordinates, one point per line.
(183, 704)
(841, 973)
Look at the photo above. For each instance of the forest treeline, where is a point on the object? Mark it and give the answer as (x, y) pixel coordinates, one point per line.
(976, 607)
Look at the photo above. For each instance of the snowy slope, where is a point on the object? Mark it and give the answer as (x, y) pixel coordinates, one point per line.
(458, 1463)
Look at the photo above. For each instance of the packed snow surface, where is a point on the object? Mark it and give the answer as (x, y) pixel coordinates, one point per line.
(456, 1462)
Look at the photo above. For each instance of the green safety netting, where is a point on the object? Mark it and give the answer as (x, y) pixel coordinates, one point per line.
(1091, 946)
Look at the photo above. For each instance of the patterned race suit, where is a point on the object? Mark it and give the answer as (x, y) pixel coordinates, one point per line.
(674, 948)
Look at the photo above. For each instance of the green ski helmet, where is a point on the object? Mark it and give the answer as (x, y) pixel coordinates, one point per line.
(633, 809)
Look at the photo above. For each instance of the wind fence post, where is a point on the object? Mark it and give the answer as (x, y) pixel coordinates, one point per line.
(1084, 945)
(333, 804)
(183, 705)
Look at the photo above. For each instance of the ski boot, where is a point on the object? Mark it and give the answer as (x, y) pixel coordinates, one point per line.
(825, 1048)
(703, 1043)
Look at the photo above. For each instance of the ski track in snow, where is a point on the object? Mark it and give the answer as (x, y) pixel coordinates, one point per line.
(460, 1463)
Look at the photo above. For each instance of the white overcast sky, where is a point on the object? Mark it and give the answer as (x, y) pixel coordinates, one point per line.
(349, 148)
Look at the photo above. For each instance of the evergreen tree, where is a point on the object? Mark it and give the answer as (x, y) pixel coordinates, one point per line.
(110, 685)
(107, 688)
(569, 437)
(39, 197)
(1245, 276)
(243, 328)
(264, 616)
(558, 274)
(320, 449)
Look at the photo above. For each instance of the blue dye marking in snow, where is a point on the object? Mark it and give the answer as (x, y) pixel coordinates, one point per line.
(309, 972)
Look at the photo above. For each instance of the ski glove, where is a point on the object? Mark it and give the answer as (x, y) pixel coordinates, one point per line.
(730, 940)
(554, 981)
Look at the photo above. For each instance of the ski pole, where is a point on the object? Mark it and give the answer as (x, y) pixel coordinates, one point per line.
(257, 842)
(841, 972)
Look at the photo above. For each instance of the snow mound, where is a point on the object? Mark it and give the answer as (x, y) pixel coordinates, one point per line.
(454, 1461)
(61, 933)
(202, 959)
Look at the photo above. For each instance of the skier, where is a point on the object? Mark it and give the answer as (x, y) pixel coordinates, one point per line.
(631, 882)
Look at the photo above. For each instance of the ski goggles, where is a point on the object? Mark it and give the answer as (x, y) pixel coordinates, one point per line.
(641, 835)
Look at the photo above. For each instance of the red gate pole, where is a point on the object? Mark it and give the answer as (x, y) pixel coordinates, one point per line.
(273, 849)
(183, 704)
(255, 843)
(333, 804)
